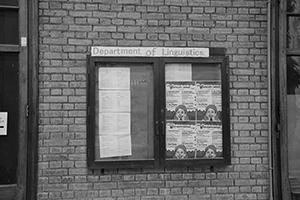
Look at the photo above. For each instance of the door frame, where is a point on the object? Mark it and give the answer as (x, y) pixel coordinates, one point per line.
(285, 189)
(275, 95)
(33, 100)
(18, 189)
(27, 167)
(282, 52)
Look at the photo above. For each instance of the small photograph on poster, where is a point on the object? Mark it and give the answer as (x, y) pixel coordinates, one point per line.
(114, 78)
(210, 113)
(180, 101)
(180, 140)
(208, 101)
(178, 72)
(209, 140)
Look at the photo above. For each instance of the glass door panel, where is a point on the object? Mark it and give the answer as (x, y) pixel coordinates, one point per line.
(293, 114)
(9, 26)
(9, 95)
(9, 91)
(124, 112)
(293, 6)
(193, 111)
(13, 98)
(9, 3)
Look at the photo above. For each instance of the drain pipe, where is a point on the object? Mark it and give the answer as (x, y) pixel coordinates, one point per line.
(269, 38)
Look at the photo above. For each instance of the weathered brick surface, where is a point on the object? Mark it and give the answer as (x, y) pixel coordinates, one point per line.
(67, 29)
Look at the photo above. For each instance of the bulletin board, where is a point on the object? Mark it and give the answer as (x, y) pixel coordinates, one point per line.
(148, 112)
(193, 110)
(124, 112)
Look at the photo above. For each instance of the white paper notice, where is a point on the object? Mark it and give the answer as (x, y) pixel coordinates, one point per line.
(114, 78)
(209, 133)
(180, 133)
(173, 136)
(208, 93)
(115, 145)
(217, 139)
(204, 138)
(114, 101)
(203, 96)
(180, 93)
(179, 72)
(3, 123)
(114, 123)
(114, 112)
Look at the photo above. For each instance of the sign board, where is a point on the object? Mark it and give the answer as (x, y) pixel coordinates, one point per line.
(149, 52)
(3, 123)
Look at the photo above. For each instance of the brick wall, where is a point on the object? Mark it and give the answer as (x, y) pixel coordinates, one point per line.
(67, 30)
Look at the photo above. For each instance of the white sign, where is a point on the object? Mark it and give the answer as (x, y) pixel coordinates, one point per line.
(23, 41)
(149, 52)
(3, 123)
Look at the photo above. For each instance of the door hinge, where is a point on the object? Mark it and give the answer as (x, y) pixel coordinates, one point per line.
(88, 153)
(278, 128)
(88, 110)
(27, 110)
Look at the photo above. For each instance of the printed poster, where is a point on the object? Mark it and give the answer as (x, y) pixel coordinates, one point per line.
(180, 134)
(114, 112)
(114, 123)
(114, 101)
(208, 93)
(180, 93)
(114, 78)
(209, 135)
(193, 111)
(115, 145)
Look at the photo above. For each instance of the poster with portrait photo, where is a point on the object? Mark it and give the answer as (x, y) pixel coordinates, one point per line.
(180, 101)
(209, 138)
(180, 134)
(208, 101)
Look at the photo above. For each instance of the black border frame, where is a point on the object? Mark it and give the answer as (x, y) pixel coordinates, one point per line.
(217, 57)
(223, 61)
(92, 163)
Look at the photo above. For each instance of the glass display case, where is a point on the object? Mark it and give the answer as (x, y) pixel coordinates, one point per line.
(147, 112)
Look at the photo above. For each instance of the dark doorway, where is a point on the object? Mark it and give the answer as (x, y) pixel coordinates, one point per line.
(9, 96)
